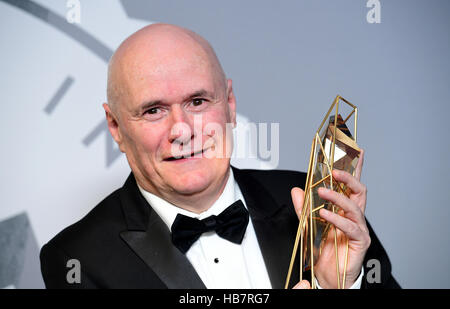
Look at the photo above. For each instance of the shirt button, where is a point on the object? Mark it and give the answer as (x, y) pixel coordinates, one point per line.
(216, 260)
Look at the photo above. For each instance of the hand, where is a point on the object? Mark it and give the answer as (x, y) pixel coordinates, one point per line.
(350, 222)
(303, 285)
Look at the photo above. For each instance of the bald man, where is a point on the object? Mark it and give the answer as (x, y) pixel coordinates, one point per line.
(185, 218)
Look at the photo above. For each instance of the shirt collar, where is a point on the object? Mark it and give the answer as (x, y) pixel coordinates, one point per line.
(168, 211)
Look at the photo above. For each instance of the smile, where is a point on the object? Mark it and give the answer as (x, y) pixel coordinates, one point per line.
(191, 155)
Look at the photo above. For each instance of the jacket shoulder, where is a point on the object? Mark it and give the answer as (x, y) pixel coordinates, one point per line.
(278, 182)
(86, 241)
(268, 177)
(104, 218)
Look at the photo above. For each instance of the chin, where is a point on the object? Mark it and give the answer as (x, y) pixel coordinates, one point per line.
(189, 180)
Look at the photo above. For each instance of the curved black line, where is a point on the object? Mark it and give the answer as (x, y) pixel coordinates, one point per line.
(60, 23)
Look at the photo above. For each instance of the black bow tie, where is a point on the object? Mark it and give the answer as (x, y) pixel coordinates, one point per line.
(230, 224)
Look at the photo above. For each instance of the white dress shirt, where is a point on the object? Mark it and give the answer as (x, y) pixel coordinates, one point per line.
(220, 263)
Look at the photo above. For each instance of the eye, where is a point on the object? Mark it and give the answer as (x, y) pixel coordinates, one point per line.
(152, 111)
(197, 102)
(197, 105)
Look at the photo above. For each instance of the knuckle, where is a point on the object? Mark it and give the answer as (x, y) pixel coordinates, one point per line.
(345, 174)
(353, 228)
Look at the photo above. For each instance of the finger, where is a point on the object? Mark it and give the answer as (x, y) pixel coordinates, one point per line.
(297, 195)
(352, 182)
(355, 186)
(350, 228)
(304, 284)
(359, 166)
(351, 209)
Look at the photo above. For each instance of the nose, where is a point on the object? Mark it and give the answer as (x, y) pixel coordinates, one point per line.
(181, 131)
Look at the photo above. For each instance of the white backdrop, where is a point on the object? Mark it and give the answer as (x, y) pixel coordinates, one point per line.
(59, 159)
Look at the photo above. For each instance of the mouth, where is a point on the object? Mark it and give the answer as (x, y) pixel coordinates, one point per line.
(192, 155)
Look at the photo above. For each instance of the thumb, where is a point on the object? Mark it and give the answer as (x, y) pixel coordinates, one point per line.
(304, 284)
(297, 195)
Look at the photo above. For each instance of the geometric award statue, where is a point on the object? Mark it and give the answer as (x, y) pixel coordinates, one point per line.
(333, 147)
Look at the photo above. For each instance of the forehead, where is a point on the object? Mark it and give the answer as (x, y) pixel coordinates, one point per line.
(168, 75)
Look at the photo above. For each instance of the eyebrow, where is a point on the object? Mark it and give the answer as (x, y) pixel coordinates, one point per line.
(199, 93)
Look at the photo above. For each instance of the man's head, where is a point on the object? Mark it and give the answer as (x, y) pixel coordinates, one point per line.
(168, 96)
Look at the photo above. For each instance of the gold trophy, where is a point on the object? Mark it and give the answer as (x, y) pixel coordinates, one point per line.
(333, 147)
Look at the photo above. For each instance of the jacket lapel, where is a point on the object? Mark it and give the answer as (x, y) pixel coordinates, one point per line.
(275, 227)
(149, 238)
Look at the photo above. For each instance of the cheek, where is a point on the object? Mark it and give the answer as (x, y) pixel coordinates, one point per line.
(146, 141)
(213, 127)
(218, 131)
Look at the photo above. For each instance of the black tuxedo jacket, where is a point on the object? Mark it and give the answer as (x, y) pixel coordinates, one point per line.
(123, 243)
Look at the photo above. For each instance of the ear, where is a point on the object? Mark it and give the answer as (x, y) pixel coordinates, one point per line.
(113, 126)
(231, 102)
